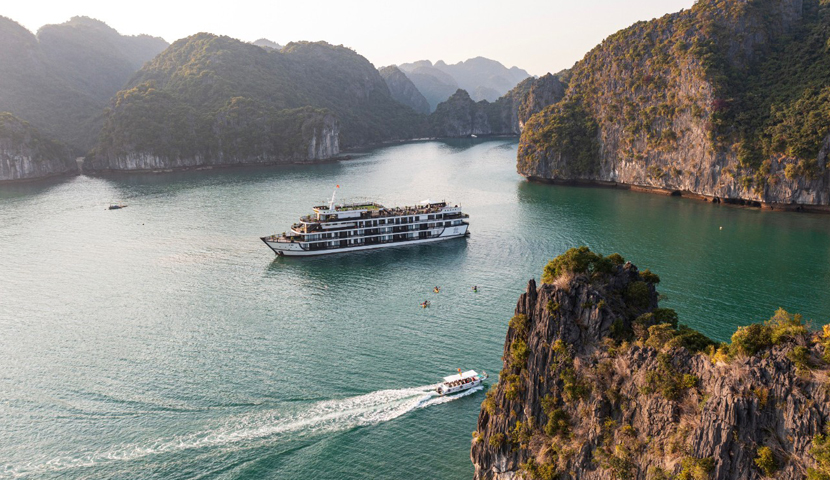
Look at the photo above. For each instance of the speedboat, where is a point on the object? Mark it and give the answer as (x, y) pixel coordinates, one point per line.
(461, 381)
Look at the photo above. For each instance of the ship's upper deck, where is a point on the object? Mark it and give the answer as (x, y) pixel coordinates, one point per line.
(354, 211)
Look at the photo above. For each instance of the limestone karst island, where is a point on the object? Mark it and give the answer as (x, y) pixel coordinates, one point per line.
(365, 240)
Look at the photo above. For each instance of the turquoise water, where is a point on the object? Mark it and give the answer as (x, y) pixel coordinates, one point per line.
(165, 340)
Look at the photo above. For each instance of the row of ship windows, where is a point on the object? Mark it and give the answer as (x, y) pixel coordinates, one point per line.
(398, 220)
(360, 241)
(359, 232)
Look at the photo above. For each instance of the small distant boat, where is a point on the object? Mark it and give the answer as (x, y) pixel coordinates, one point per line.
(461, 382)
(473, 135)
(115, 206)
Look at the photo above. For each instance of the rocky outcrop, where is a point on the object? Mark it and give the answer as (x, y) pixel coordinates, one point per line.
(600, 383)
(461, 116)
(25, 154)
(541, 93)
(403, 90)
(672, 104)
(241, 133)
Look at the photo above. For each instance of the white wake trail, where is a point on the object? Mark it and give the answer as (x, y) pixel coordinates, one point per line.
(253, 429)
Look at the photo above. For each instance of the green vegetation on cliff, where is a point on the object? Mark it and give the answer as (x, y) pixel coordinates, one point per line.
(728, 98)
(19, 138)
(61, 79)
(600, 382)
(199, 83)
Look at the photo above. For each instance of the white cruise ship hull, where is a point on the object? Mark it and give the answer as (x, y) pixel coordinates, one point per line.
(294, 249)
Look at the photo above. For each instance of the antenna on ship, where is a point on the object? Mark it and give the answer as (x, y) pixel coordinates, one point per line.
(331, 203)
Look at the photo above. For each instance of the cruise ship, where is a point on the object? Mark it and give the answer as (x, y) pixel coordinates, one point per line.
(363, 226)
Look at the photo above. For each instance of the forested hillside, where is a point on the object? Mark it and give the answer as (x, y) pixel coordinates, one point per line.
(727, 99)
(61, 79)
(210, 99)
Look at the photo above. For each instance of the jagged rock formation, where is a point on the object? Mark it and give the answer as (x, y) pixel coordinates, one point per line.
(461, 116)
(600, 383)
(403, 90)
(25, 154)
(61, 80)
(725, 100)
(211, 100)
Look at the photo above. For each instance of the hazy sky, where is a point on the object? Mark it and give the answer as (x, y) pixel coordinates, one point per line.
(539, 36)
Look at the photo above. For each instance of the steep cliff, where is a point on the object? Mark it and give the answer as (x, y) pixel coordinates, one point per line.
(160, 132)
(26, 154)
(403, 90)
(461, 116)
(540, 93)
(600, 383)
(726, 99)
(211, 100)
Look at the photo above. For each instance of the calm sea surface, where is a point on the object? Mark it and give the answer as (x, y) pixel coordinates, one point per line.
(165, 340)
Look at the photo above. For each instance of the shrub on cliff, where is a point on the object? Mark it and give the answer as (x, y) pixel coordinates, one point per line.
(782, 327)
(577, 261)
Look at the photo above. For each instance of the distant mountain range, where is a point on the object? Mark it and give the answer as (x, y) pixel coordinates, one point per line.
(61, 79)
(137, 103)
(482, 78)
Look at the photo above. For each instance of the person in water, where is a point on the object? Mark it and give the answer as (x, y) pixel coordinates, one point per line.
(475, 288)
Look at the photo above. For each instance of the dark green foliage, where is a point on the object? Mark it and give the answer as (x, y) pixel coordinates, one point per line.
(766, 461)
(61, 80)
(489, 403)
(512, 386)
(577, 260)
(751, 339)
(616, 259)
(821, 452)
(521, 433)
(782, 327)
(691, 340)
(21, 138)
(638, 295)
(497, 440)
(558, 423)
(568, 128)
(666, 380)
(224, 96)
(553, 306)
(693, 468)
(800, 356)
(649, 277)
(545, 471)
(518, 354)
(519, 324)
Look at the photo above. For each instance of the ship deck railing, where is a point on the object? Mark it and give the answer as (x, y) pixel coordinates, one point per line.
(388, 212)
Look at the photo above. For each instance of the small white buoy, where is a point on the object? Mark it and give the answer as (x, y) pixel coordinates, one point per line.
(721, 228)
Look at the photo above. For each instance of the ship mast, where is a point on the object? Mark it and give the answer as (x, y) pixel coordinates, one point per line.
(331, 203)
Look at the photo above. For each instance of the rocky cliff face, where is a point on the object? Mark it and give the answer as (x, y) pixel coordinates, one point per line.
(669, 104)
(25, 154)
(403, 90)
(241, 133)
(600, 383)
(461, 116)
(541, 93)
